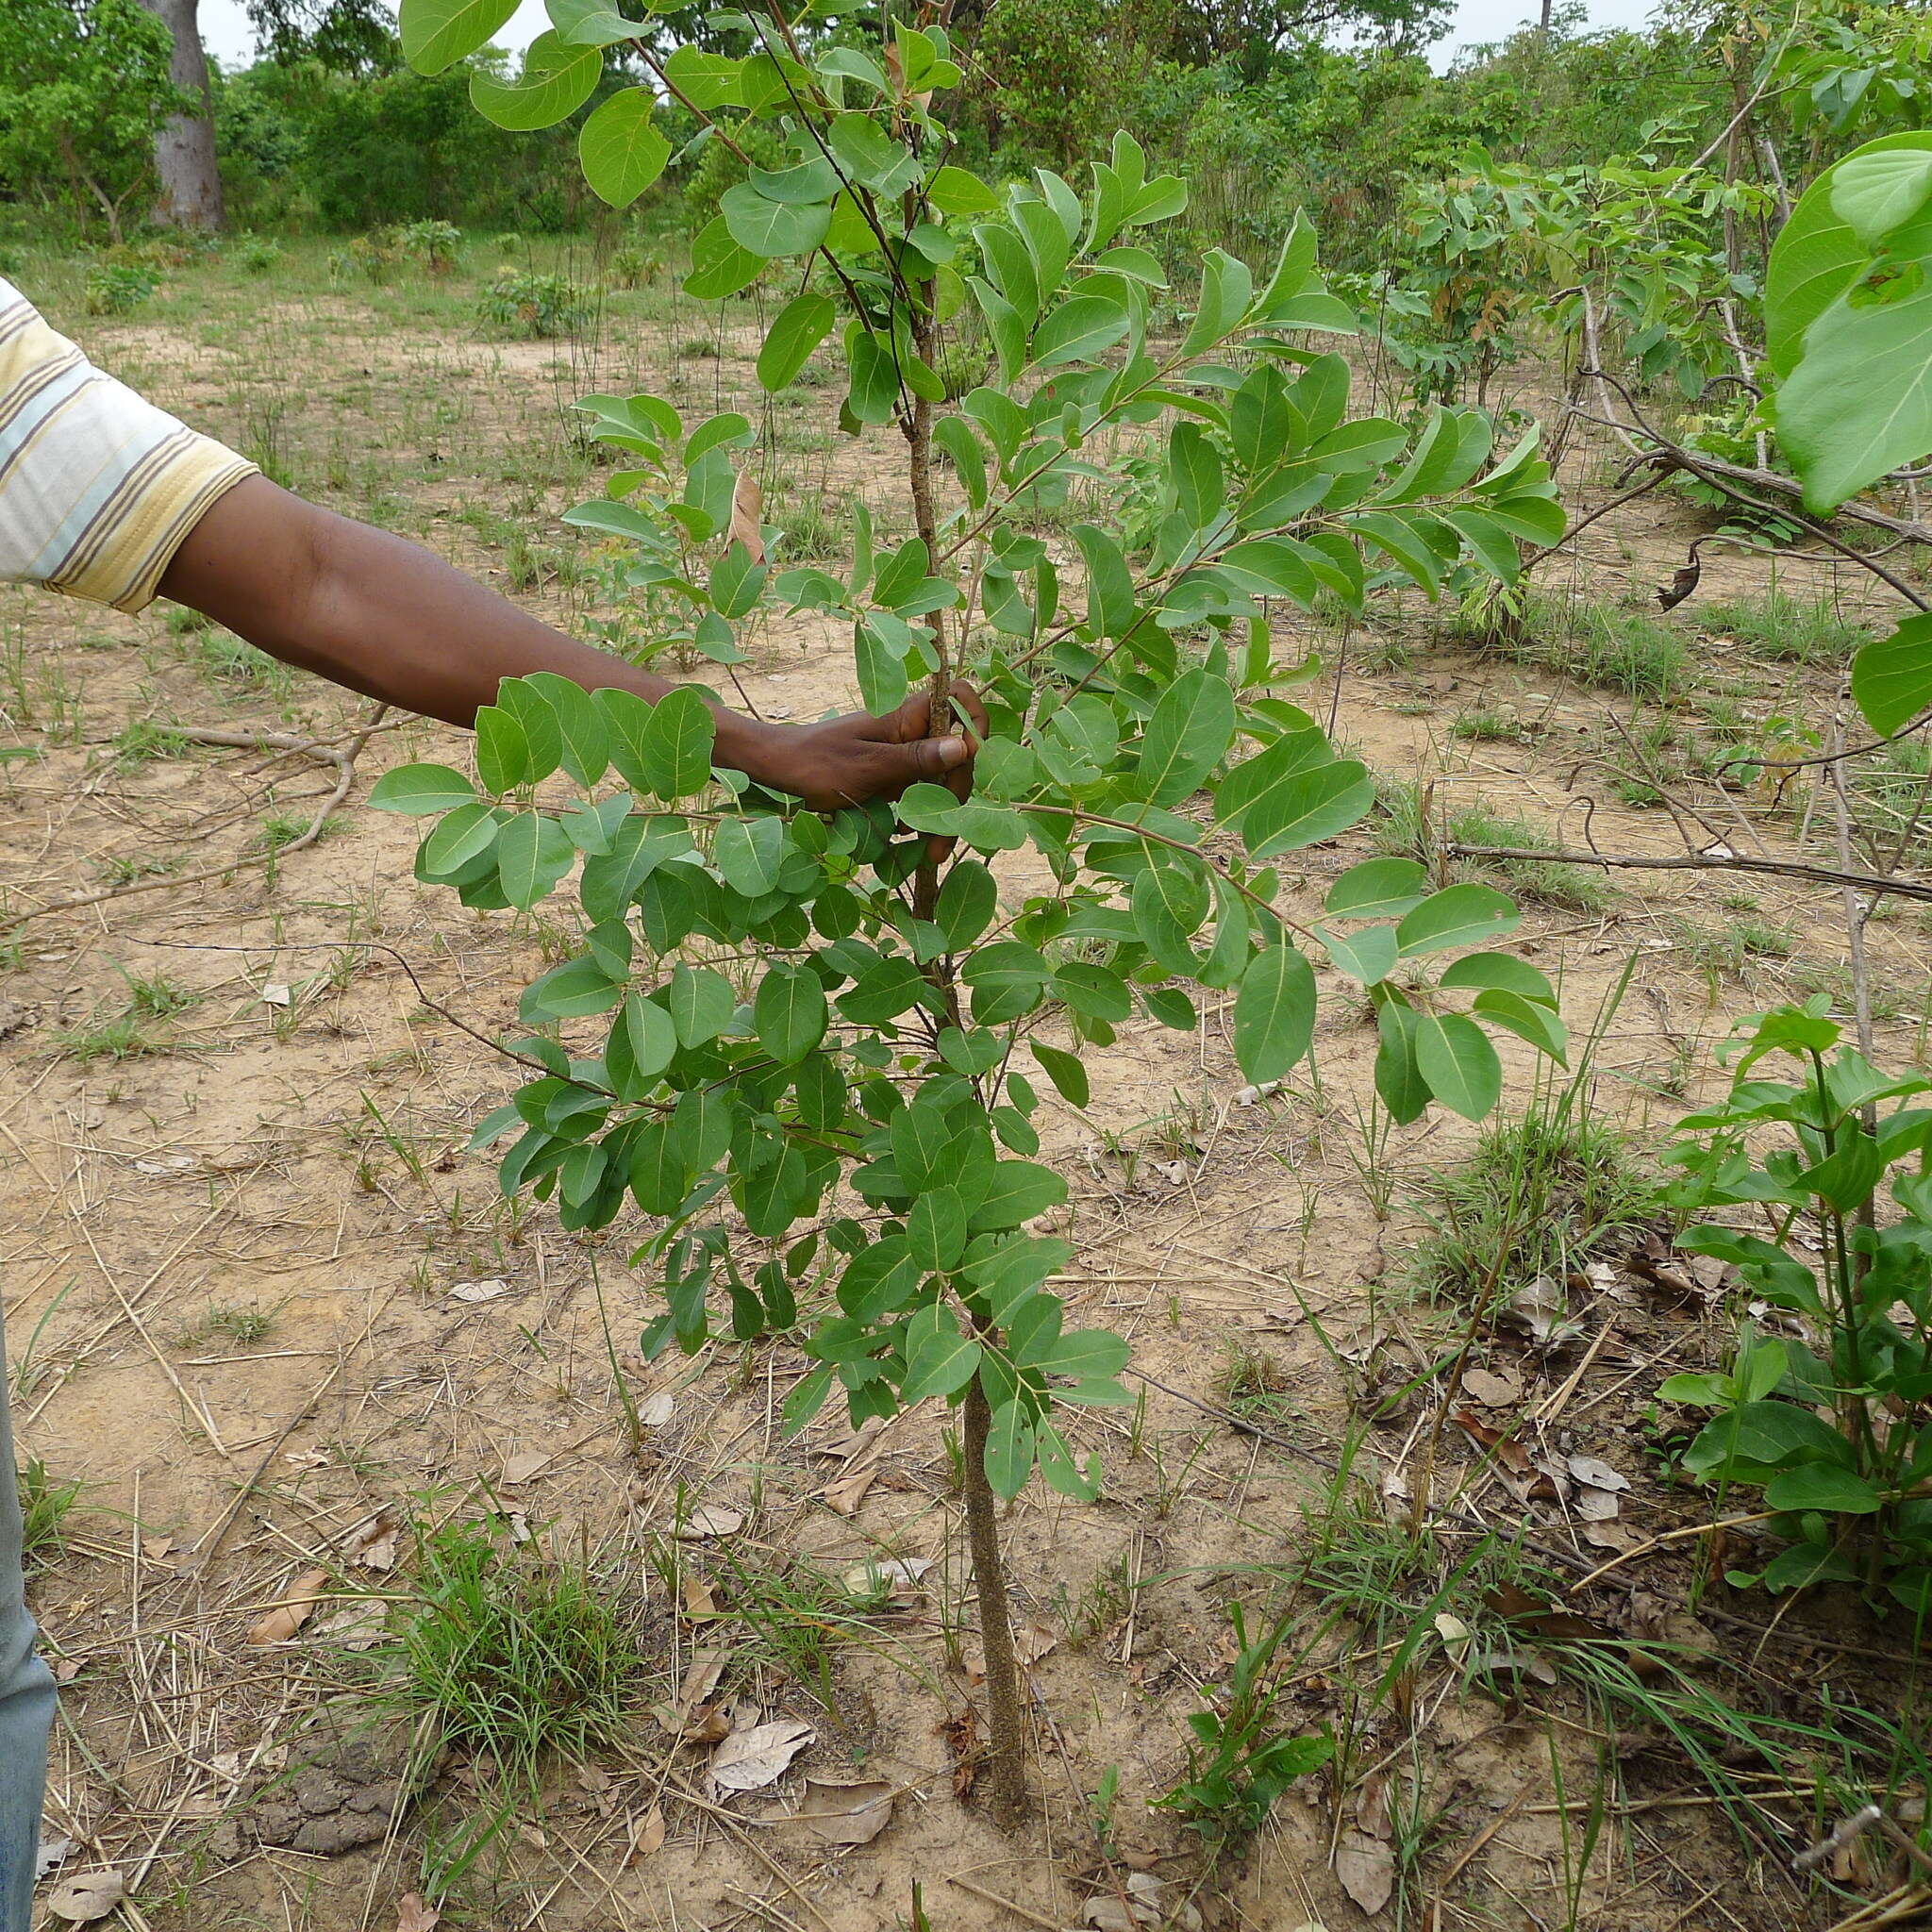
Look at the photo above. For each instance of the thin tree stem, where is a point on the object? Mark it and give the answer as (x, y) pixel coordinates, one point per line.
(1006, 1714)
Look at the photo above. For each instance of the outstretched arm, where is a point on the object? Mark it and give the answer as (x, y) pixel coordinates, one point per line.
(383, 616)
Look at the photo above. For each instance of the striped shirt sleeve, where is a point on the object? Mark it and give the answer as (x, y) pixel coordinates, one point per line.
(98, 488)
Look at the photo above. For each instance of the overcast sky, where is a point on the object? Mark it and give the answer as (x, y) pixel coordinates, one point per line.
(224, 25)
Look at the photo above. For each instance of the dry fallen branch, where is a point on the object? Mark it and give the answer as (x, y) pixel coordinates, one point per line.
(285, 743)
(1875, 883)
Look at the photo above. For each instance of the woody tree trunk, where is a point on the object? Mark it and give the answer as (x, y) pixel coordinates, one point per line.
(185, 148)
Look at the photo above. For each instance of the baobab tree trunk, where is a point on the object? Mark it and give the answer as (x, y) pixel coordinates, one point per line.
(185, 148)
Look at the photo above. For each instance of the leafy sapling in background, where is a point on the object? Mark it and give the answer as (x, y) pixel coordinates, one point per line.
(1853, 1337)
(811, 1021)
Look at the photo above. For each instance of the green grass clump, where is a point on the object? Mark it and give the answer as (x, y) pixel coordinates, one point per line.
(45, 1507)
(1785, 629)
(1543, 1193)
(1404, 829)
(1731, 947)
(222, 658)
(1595, 645)
(510, 1657)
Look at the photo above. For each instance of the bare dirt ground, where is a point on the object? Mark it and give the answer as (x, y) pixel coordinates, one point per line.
(261, 1303)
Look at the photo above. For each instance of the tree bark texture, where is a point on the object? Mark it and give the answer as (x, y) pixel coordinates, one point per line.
(185, 148)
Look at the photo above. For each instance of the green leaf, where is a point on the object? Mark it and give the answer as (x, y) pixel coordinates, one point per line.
(1457, 916)
(719, 266)
(968, 900)
(1064, 1069)
(1454, 1056)
(465, 834)
(1308, 808)
(621, 147)
(1398, 1077)
(935, 1232)
(1010, 1450)
(789, 1012)
(675, 744)
(1815, 258)
(772, 229)
(1367, 956)
(1478, 971)
(570, 992)
(533, 852)
(583, 745)
(941, 1362)
(1020, 1189)
(1171, 898)
(954, 191)
(1088, 1354)
(881, 667)
(1187, 735)
(1080, 329)
(1378, 889)
(1821, 1485)
(420, 790)
(700, 1002)
(796, 330)
(748, 852)
(1527, 1019)
(1766, 1435)
(1891, 679)
(503, 751)
(737, 578)
(1273, 1013)
(706, 80)
(557, 80)
(437, 33)
(1859, 402)
(1874, 193)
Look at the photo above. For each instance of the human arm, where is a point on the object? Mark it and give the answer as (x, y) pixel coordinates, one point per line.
(381, 615)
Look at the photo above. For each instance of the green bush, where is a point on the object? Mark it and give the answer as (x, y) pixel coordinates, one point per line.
(1837, 1436)
(533, 306)
(119, 287)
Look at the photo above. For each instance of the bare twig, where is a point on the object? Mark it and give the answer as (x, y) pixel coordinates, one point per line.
(1875, 883)
(341, 757)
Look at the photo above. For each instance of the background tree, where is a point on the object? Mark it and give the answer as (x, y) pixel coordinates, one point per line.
(84, 85)
(185, 143)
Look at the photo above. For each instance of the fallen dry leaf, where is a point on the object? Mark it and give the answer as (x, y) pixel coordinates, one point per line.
(844, 1496)
(655, 1412)
(355, 1626)
(87, 1896)
(52, 1854)
(1492, 1389)
(1597, 1473)
(700, 1605)
(749, 1760)
(709, 1518)
(276, 994)
(1033, 1636)
(1540, 1310)
(1597, 1506)
(287, 1614)
(700, 1679)
(1608, 1535)
(478, 1291)
(521, 1467)
(1366, 1868)
(847, 1814)
(375, 1544)
(414, 1913)
(650, 1839)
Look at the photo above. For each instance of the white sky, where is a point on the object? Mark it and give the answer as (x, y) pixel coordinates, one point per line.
(224, 25)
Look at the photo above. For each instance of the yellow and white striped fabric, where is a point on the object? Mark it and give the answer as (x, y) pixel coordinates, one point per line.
(98, 489)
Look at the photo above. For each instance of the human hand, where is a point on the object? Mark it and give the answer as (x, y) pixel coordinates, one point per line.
(847, 760)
